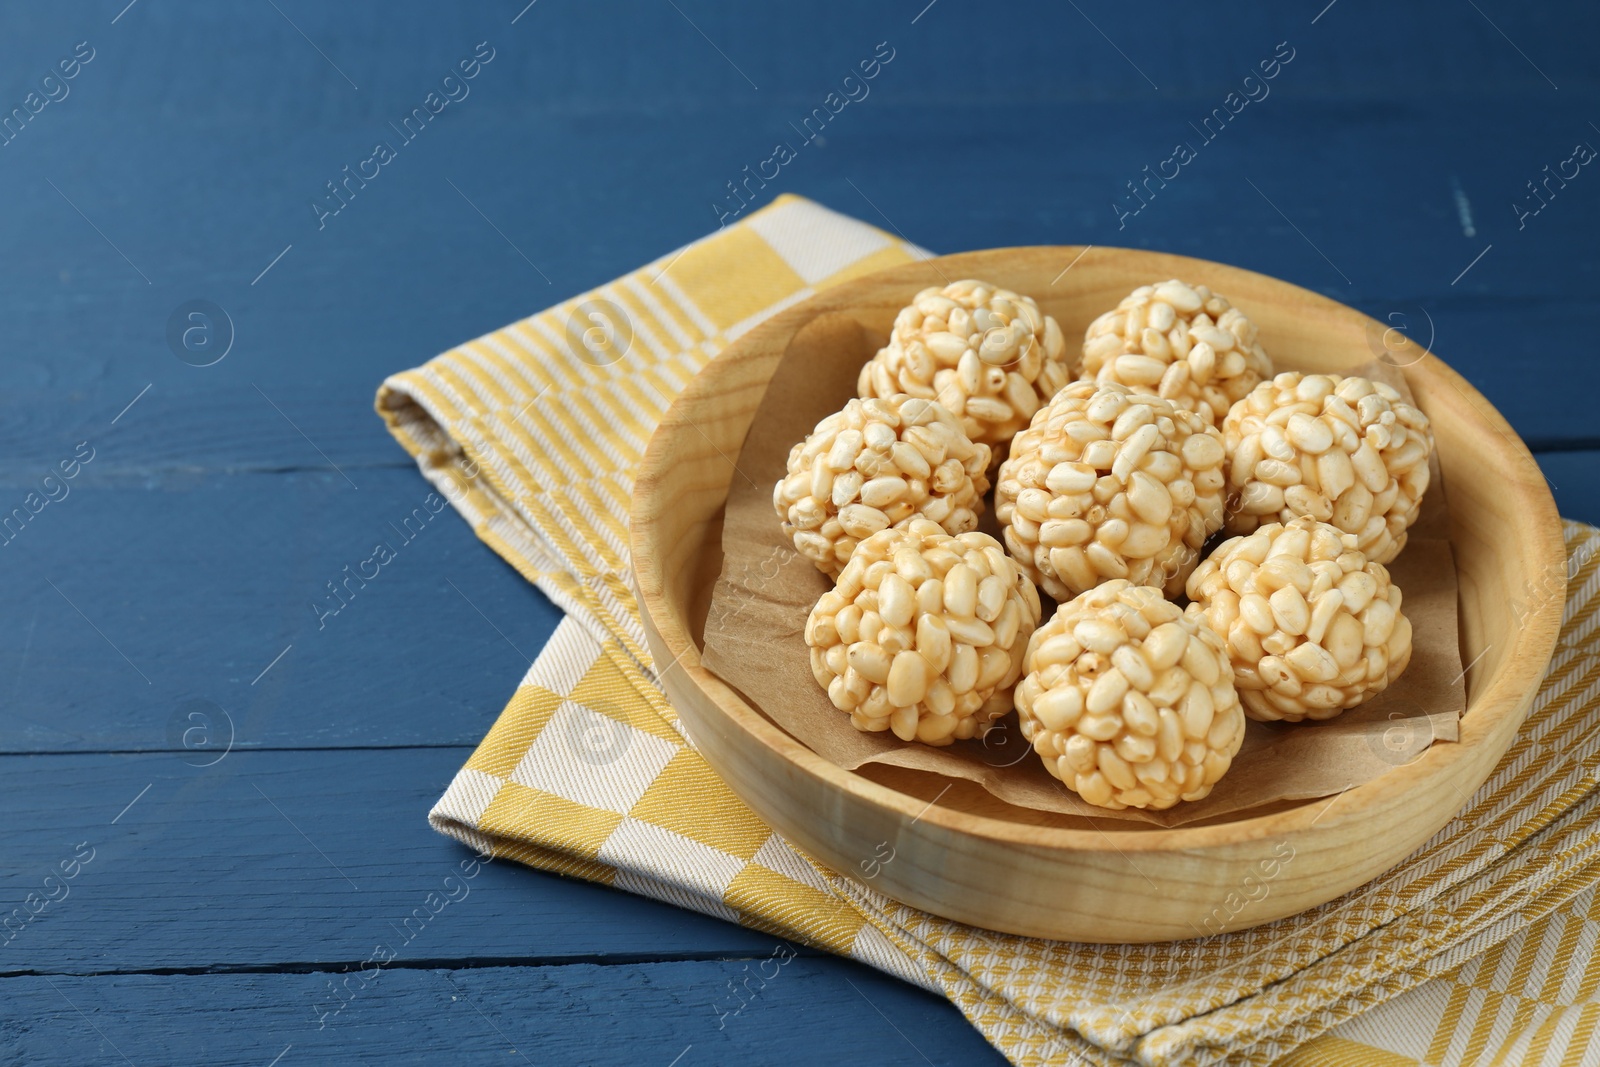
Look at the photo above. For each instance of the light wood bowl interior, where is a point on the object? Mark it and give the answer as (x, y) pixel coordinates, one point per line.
(971, 858)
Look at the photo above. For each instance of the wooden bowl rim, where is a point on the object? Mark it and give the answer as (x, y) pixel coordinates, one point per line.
(1504, 694)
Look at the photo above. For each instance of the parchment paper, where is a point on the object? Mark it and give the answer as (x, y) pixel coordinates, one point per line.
(754, 634)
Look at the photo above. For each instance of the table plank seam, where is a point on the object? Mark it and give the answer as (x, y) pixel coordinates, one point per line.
(617, 959)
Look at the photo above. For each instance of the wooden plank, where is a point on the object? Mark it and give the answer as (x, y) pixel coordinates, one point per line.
(288, 859)
(175, 429)
(1060, 58)
(822, 1010)
(358, 301)
(203, 581)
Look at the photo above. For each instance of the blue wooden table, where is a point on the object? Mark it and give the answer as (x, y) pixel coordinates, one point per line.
(213, 799)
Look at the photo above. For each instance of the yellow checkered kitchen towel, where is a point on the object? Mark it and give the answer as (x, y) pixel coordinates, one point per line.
(1479, 949)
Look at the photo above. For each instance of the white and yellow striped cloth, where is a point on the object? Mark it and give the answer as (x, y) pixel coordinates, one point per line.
(1479, 949)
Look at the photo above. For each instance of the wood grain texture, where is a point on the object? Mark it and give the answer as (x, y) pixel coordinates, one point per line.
(1118, 883)
(649, 1013)
(361, 299)
(296, 859)
(201, 579)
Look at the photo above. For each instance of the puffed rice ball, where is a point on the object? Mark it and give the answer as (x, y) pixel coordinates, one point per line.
(876, 464)
(1312, 626)
(923, 633)
(1343, 450)
(1184, 343)
(986, 353)
(1109, 483)
(1130, 701)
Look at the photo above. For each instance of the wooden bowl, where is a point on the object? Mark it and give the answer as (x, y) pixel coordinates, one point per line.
(976, 860)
